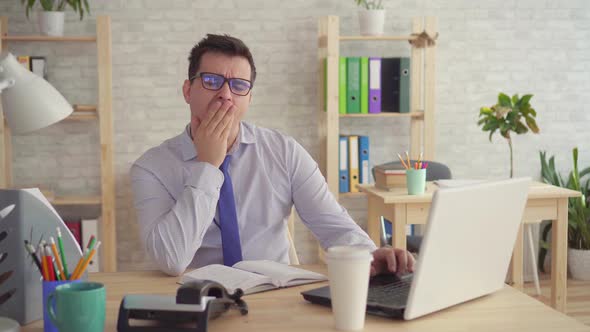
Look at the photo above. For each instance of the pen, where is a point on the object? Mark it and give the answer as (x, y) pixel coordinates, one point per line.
(87, 261)
(62, 253)
(31, 251)
(57, 259)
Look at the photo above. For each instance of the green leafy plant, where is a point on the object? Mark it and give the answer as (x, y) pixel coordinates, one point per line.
(507, 116)
(375, 4)
(79, 6)
(578, 207)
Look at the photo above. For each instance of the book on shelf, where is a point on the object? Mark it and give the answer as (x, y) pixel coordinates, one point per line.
(253, 276)
(390, 176)
(75, 227)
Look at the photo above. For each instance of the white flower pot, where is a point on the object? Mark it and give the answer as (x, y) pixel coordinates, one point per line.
(51, 23)
(579, 263)
(371, 21)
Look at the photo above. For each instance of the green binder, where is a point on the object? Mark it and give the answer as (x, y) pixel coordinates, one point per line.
(353, 86)
(364, 101)
(404, 86)
(342, 85)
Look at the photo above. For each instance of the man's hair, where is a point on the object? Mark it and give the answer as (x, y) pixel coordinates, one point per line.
(223, 44)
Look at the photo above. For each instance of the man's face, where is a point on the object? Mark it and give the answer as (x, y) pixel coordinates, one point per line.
(201, 99)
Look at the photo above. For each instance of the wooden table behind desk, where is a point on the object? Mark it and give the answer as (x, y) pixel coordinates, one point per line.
(285, 310)
(544, 202)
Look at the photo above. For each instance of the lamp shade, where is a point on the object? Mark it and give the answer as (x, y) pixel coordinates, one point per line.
(30, 103)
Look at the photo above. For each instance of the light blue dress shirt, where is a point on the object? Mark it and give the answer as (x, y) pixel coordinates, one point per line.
(176, 200)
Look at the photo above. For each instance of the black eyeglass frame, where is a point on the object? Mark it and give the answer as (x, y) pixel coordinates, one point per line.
(228, 80)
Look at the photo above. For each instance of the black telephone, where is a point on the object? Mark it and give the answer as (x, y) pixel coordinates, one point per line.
(195, 303)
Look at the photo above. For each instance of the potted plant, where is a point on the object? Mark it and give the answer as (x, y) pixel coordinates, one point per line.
(371, 17)
(578, 216)
(51, 17)
(507, 116)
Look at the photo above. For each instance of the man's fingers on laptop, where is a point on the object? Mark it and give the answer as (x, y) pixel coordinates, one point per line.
(392, 263)
(411, 261)
(402, 261)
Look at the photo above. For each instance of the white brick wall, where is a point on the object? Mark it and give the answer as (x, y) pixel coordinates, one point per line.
(532, 46)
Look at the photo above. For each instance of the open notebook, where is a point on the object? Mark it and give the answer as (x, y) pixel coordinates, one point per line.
(254, 276)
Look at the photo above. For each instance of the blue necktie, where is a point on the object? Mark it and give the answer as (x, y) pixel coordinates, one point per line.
(228, 219)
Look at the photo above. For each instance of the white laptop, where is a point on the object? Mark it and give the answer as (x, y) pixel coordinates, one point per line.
(465, 252)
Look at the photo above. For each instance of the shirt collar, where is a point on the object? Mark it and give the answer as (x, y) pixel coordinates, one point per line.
(246, 135)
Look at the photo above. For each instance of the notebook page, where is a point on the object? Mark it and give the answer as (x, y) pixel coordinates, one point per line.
(282, 274)
(229, 277)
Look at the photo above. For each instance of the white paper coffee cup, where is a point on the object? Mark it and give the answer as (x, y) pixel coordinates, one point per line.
(348, 274)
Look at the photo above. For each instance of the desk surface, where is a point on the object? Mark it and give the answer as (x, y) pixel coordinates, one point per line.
(538, 190)
(285, 310)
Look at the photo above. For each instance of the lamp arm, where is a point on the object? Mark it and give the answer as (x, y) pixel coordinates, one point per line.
(7, 83)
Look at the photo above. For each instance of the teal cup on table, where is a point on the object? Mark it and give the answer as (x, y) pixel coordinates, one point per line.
(48, 288)
(79, 306)
(416, 181)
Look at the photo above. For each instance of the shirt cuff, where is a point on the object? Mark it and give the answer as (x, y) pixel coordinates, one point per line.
(205, 177)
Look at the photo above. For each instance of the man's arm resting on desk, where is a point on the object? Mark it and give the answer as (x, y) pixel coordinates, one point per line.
(173, 230)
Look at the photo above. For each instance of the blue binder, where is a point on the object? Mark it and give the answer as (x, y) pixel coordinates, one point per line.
(343, 186)
(364, 168)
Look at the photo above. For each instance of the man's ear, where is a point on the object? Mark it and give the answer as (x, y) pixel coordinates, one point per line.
(186, 91)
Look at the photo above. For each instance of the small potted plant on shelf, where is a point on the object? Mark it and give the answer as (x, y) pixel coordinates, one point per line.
(52, 14)
(509, 115)
(371, 17)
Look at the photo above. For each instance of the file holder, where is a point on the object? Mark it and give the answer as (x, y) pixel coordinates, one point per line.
(23, 216)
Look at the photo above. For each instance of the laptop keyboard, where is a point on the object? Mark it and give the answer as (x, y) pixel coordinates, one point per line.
(389, 290)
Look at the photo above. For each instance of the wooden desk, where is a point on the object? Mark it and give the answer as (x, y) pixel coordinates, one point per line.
(545, 202)
(285, 310)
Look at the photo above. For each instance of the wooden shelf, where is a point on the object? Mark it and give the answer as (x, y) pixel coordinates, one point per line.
(384, 38)
(102, 40)
(83, 112)
(76, 200)
(352, 195)
(29, 38)
(385, 115)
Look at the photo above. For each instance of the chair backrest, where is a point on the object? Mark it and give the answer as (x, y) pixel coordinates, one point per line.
(290, 235)
(436, 170)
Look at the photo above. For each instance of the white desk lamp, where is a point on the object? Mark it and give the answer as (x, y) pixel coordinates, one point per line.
(28, 101)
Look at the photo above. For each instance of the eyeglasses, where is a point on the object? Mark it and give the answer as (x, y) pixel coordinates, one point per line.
(214, 82)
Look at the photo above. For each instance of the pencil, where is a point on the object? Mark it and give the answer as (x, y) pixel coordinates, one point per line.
(31, 251)
(402, 160)
(57, 259)
(50, 269)
(87, 261)
(409, 163)
(62, 253)
(80, 263)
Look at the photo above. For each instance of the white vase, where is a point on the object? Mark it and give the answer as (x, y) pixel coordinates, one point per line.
(371, 21)
(51, 23)
(579, 263)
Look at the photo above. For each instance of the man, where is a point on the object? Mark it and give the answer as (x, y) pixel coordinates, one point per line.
(222, 190)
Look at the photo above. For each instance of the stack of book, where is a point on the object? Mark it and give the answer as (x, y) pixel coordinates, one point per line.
(390, 176)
